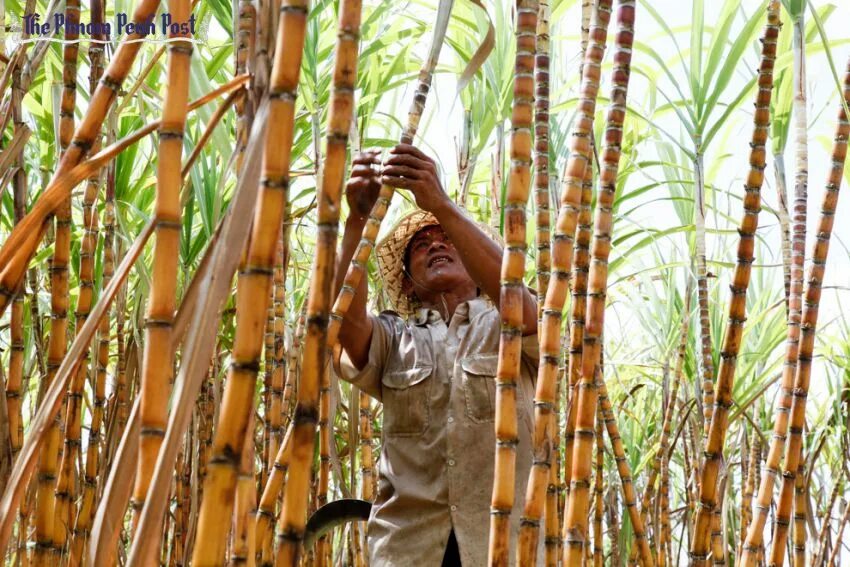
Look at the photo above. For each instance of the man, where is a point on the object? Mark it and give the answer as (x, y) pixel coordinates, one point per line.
(432, 363)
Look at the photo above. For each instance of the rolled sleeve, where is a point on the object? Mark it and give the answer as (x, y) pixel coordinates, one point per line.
(368, 378)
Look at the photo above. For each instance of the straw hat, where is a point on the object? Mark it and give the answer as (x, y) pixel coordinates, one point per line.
(389, 253)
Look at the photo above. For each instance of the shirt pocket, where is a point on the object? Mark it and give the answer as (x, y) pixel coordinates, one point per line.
(479, 386)
(406, 394)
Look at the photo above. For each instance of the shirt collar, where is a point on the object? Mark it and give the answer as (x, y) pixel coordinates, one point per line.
(468, 310)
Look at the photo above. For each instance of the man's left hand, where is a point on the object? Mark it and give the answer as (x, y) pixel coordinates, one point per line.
(409, 168)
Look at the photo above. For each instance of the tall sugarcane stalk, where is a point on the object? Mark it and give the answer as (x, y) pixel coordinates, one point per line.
(798, 534)
(837, 548)
(158, 361)
(14, 379)
(53, 504)
(578, 313)
(792, 341)
(541, 154)
(315, 369)
(355, 270)
(706, 356)
(512, 294)
(278, 362)
(562, 256)
(542, 199)
(255, 281)
(818, 557)
(73, 428)
(747, 491)
(243, 542)
(575, 525)
(325, 423)
(811, 302)
(708, 486)
(623, 470)
(598, 506)
(266, 508)
(253, 291)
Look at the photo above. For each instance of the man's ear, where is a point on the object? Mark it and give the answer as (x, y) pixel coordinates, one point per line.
(406, 286)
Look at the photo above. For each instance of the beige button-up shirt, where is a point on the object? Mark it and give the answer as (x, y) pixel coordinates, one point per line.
(438, 387)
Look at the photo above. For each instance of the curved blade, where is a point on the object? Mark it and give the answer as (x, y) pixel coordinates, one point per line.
(335, 514)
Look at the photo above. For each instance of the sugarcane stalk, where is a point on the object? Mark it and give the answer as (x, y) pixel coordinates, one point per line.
(354, 272)
(324, 425)
(586, 397)
(243, 543)
(562, 256)
(158, 362)
(799, 531)
(818, 557)
(811, 301)
(836, 549)
(718, 547)
(14, 378)
(706, 356)
(748, 489)
(623, 470)
(541, 154)
(578, 313)
(664, 555)
(511, 301)
(65, 484)
(497, 168)
(266, 507)
(52, 504)
(708, 488)
(278, 354)
(85, 516)
(245, 51)
(314, 374)
(598, 507)
(614, 525)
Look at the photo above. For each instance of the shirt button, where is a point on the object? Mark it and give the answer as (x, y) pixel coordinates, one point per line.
(451, 462)
(451, 419)
(454, 508)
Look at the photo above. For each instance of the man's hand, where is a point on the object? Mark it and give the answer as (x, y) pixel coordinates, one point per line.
(363, 186)
(409, 168)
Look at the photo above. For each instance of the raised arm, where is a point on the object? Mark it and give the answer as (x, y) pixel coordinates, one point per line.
(409, 168)
(361, 192)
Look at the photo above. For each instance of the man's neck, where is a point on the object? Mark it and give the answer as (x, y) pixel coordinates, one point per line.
(446, 303)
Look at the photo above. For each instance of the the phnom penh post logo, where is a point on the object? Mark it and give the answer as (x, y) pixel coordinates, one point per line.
(162, 28)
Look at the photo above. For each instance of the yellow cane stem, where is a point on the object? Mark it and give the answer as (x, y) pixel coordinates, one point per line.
(314, 373)
(811, 302)
(157, 363)
(512, 298)
(708, 485)
(586, 393)
(253, 290)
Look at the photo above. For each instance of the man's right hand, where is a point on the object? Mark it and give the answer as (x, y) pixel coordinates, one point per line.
(361, 192)
(363, 186)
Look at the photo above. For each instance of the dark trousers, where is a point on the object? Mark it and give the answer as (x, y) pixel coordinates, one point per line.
(452, 556)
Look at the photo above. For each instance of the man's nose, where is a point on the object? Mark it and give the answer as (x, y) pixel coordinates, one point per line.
(437, 244)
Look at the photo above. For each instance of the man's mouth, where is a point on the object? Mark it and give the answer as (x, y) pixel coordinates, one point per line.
(438, 260)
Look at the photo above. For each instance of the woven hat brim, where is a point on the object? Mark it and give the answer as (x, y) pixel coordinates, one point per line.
(389, 253)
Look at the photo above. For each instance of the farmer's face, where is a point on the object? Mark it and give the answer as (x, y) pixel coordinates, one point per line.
(434, 264)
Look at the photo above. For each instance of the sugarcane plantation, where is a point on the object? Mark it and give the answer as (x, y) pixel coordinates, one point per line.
(424, 283)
